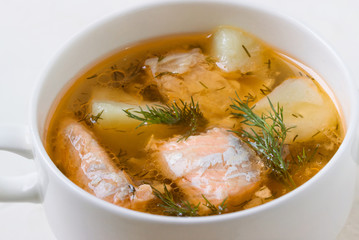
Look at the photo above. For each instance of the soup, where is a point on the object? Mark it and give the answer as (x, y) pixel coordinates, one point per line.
(194, 125)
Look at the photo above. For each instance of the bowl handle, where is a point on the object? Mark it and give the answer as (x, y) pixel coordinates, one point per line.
(26, 188)
(355, 147)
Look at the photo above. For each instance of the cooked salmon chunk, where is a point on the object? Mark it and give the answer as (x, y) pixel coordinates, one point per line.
(183, 75)
(85, 162)
(215, 164)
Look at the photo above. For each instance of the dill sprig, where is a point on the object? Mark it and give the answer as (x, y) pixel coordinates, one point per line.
(203, 85)
(185, 114)
(268, 63)
(304, 158)
(213, 208)
(246, 50)
(168, 73)
(265, 90)
(173, 208)
(95, 118)
(91, 119)
(269, 140)
(184, 208)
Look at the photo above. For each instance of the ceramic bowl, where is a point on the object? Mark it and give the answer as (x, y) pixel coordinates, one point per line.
(316, 210)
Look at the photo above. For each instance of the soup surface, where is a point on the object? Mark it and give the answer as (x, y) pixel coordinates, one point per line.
(194, 125)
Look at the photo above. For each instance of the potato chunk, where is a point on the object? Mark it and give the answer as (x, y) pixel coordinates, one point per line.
(305, 107)
(110, 105)
(113, 115)
(235, 50)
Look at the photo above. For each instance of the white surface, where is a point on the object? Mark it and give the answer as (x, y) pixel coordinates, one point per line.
(31, 31)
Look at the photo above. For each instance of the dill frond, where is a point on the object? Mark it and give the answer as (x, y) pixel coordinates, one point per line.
(92, 76)
(173, 208)
(304, 158)
(218, 89)
(203, 85)
(250, 97)
(268, 63)
(160, 58)
(168, 73)
(95, 118)
(185, 114)
(246, 50)
(265, 90)
(213, 208)
(91, 119)
(184, 208)
(210, 61)
(269, 140)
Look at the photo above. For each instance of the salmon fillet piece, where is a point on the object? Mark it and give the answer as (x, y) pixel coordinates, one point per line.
(85, 162)
(183, 75)
(216, 164)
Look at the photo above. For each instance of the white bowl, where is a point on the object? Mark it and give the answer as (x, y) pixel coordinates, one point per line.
(316, 210)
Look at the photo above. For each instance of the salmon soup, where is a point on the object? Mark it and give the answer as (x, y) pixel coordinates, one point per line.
(194, 125)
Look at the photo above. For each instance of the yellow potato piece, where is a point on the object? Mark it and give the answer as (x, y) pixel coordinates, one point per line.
(111, 103)
(113, 115)
(304, 106)
(235, 50)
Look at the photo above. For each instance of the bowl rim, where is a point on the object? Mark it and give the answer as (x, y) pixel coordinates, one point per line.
(132, 214)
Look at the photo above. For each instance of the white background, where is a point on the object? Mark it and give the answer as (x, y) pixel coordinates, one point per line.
(32, 30)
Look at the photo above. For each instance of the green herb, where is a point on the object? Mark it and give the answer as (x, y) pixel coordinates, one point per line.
(144, 174)
(210, 60)
(269, 141)
(246, 50)
(184, 208)
(295, 137)
(173, 208)
(168, 73)
(185, 114)
(121, 153)
(203, 85)
(250, 97)
(241, 205)
(309, 77)
(265, 90)
(316, 133)
(218, 89)
(119, 130)
(268, 63)
(249, 73)
(304, 158)
(117, 75)
(160, 58)
(134, 69)
(93, 76)
(297, 115)
(94, 119)
(91, 119)
(214, 209)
